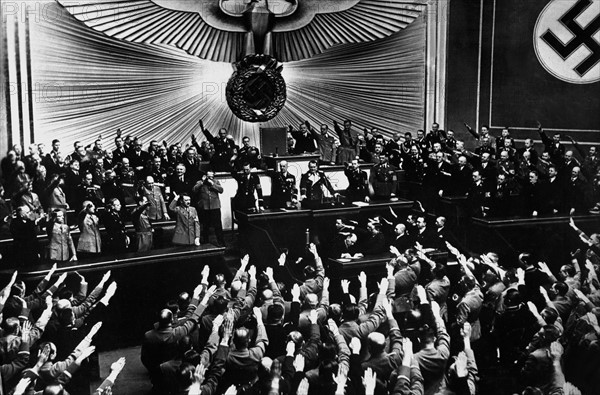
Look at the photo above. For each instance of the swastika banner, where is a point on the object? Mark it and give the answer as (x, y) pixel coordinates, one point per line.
(546, 64)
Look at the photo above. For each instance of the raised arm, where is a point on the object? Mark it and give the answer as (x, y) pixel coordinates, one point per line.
(262, 340)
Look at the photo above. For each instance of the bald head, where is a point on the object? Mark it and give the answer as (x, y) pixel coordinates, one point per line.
(376, 343)
(312, 300)
(165, 318)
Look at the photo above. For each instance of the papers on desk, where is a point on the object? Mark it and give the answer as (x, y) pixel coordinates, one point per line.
(344, 260)
(360, 204)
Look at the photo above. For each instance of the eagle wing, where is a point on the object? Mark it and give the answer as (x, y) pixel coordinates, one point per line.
(198, 27)
(320, 24)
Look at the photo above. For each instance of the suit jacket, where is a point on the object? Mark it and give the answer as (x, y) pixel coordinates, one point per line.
(119, 154)
(52, 167)
(247, 187)
(60, 242)
(192, 170)
(438, 176)
(178, 186)
(552, 196)
(25, 244)
(402, 243)
(89, 239)
(427, 238)
(158, 208)
(57, 198)
(313, 190)
(488, 174)
(115, 231)
(283, 188)
(137, 160)
(187, 227)
(476, 198)
(383, 180)
(461, 180)
(208, 195)
(160, 344)
(358, 184)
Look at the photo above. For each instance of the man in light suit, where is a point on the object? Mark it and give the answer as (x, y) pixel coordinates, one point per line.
(207, 190)
(187, 227)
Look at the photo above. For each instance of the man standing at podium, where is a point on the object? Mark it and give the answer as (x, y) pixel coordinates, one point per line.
(358, 182)
(284, 193)
(313, 186)
(248, 185)
(383, 179)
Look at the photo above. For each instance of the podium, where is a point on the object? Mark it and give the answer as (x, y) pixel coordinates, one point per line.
(273, 141)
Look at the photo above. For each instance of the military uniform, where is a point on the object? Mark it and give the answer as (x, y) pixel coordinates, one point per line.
(358, 184)
(247, 185)
(225, 149)
(383, 180)
(283, 189)
(312, 186)
(249, 154)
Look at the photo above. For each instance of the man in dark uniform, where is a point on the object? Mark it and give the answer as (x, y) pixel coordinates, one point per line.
(553, 146)
(225, 149)
(284, 193)
(436, 135)
(476, 197)
(348, 142)
(304, 140)
(383, 179)
(358, 182)
(248, 185)
(423, 144)
(413, 165)
(313, 184)
(248, 154)
(485, 147)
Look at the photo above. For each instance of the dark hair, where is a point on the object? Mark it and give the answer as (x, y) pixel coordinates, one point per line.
(310, 272)
(184, 344)
(173, 306)
(64, 293)
(350, 312)
(439, 271)
(512, 298)
(219, 305)
(185, 375)
(561, 288)
(426, 334)
(275, 313)
(12, 307)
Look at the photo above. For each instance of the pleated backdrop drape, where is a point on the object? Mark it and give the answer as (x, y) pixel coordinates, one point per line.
(86, 84)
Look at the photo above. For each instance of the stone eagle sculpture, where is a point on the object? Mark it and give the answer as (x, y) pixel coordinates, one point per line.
(255, 35)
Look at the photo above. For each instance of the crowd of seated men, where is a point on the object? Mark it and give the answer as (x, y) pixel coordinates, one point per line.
(46, 336)
(423, 328)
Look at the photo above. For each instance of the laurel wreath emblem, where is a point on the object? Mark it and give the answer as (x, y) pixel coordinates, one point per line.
(251, 68)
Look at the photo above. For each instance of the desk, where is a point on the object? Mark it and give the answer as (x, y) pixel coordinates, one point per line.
(265, 233)
(373, 265)
(548, 237)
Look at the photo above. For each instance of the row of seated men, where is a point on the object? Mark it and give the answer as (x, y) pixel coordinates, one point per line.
(477, 325)
(47, 333)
